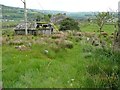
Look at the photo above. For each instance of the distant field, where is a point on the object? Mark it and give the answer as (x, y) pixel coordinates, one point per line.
(10, 24)
(86, 27)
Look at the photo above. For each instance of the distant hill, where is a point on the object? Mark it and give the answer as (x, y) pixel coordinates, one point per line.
(15, 13)
(75, 15)
(82, 15)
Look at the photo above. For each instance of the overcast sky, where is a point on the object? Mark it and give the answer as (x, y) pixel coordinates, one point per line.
(66, 5)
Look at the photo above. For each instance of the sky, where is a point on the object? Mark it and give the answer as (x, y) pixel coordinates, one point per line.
(66, 5)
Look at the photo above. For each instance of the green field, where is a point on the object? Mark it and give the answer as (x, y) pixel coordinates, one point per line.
(81, 65)
(92, 27)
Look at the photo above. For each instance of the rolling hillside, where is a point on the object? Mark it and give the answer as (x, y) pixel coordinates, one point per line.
(16, 13)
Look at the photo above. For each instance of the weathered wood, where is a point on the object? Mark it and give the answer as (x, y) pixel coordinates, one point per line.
(41, 28)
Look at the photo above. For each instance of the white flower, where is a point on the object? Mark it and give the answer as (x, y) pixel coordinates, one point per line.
(72, 79)
(71, 84)
(46, 51)
(88, 39)
(68, 81)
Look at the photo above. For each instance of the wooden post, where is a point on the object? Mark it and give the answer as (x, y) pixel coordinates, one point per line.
(25, 16)
(119, 17)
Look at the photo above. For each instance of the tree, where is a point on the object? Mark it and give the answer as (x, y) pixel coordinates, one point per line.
(49, 15)
(69, 24)
(101, 19)
(38, 18)
(117, 36)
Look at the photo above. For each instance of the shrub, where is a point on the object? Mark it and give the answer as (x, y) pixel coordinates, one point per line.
(77, 34)
(58, 41)
(55, 48)
(68, 44)
(89, 34)
(93, 69)
(87, 48)
(87, 55)
(69, 24)
(78, 38)
(22, 48)
(64, 43)
(55, 36)
(109, 74)
(16, 42)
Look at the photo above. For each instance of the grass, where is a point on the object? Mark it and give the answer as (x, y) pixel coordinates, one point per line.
(36, 67)
(8, 31)
(83, 66)
(86, 27)
(67, 68)
(9, 24)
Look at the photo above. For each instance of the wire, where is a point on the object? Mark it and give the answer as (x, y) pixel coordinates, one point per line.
(43, 8)
(40, 5)
(22, 0)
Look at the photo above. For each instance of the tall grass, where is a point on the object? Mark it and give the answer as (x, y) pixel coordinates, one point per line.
(72, 64)
(83, 66)
(105, 68)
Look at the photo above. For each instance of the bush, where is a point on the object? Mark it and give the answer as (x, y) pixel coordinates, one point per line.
(55, 48)
(69, 24)
(68, 44)
(55, 36)
(93, 69)
(64, 43)
(58, 41)
(77, 34)
(78, 38)
(16, 42)
(108, 75)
